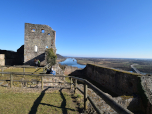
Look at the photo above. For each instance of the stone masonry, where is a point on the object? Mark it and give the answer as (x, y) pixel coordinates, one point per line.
(41, 36)
(2, 60)
(124, 83)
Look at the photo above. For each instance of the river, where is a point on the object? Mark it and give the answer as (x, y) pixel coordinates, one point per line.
(72, 62)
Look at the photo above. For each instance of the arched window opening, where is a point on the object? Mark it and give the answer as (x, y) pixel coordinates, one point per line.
(33, 30)
(42, 30)
(35, 48)
(49, 34)
(46, 47)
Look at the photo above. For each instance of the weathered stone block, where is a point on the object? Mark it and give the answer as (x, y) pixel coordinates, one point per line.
(2, 59)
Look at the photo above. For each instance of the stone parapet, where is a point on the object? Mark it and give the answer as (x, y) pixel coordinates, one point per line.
(124, 83)
(117, 81)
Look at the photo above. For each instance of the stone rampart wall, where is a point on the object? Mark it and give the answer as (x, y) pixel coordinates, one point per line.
(123, 83)
(146, 82)
(12, 58)
(117, 81)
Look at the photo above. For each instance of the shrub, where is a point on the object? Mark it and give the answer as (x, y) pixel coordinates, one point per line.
(62, 66)
(51, 56)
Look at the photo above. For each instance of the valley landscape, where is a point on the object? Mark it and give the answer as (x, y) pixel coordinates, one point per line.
(143, 65)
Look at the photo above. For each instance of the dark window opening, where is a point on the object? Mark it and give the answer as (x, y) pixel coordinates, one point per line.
(48, 33)
(130, 85)
(42, 30)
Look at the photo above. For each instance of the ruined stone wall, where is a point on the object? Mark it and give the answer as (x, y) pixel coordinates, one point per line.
(12, 58)
(41, 36)
(69, 69)
(123, 83)
(2, 60)
(146, 93)
(57, 69)
(119, 82)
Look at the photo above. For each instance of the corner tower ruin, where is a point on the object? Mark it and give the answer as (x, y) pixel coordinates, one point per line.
(37, 39)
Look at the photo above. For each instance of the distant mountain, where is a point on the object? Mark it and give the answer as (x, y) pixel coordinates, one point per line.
(60, 56)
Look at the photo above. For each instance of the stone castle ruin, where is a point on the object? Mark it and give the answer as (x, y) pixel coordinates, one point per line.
(132, 90)
(37, 38)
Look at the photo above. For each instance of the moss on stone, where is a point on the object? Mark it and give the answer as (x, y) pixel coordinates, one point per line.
(121, 71)
(124, 97)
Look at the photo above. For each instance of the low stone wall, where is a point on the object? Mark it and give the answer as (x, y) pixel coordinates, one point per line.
(58, 69)
(126, 102)
(52, 79)
(69, 69)
(146, 93)
(117, 81)
(2, 59)
(123, 83)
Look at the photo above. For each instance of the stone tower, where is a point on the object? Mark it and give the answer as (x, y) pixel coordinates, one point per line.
(37, 39)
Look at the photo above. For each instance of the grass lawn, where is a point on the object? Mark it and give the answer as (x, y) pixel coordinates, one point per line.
(20, 77)
(28, 101)
(33, 70)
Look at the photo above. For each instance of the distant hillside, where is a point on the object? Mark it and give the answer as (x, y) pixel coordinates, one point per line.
(60, 56)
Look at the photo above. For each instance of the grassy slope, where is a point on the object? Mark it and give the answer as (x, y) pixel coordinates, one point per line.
(14, 102)
(20, 77)
(35, 70)
(17, 101)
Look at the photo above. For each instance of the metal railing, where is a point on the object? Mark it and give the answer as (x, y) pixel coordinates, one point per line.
(117, 107)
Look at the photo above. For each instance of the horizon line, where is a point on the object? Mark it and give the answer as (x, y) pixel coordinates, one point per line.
(105, 57)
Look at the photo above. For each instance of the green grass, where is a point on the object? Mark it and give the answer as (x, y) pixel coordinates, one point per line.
(33, 70)
(16, 102)
(20, 77)
(67, 79)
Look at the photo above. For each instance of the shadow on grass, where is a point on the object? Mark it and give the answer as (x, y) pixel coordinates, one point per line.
(63, 104)
(39, 99)
(37, 102)
(36, 70)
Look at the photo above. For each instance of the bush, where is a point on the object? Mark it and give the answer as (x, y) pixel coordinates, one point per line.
(62, 66)
(51, 56)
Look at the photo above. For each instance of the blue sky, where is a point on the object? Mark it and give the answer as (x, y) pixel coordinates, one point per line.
(85, 28)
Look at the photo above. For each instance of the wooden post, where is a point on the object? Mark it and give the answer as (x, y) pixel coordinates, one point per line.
(24, 70)
(85, 96)
(75, 85)
(70, 83)
(42, 82)
(22, 83)
(2, 71)
(43, 69)
(11, 80)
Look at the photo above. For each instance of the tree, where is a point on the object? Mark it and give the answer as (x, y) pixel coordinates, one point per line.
(50, 56)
